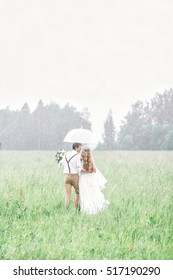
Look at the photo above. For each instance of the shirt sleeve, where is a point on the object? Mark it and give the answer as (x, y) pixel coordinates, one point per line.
(78, 164)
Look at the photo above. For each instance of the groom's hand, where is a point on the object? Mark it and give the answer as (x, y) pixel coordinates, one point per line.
(86, 171)
(83, 170)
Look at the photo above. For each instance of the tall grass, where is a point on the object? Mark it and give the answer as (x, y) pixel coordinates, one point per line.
(138, 224)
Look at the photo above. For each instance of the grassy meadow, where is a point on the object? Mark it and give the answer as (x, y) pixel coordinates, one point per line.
(138, 224)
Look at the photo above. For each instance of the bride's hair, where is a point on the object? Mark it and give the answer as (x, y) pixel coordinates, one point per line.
(87, 158)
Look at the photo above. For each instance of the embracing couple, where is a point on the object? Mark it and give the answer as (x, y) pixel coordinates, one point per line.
(81, 173)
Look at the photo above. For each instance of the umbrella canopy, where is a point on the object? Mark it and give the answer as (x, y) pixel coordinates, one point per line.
(80, 135)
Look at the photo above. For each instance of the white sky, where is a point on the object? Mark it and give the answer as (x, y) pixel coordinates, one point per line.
(102, 54)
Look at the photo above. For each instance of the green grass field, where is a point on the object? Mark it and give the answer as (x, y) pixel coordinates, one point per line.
(138, 224)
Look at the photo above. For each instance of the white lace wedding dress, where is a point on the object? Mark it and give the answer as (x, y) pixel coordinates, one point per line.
(92, 199)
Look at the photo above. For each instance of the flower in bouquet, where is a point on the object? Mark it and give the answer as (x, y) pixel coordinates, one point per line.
(59, 155)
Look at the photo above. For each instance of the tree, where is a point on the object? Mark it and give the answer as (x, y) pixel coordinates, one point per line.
(162, 108)
(168, 141)
(109, 133)
(158, 136)
(23, 128)
(8, 121)
(135, 133)
(148, 125)
(38, 125)
(43, 129)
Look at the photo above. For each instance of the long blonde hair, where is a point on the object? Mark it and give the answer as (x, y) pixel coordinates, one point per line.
(87, 160)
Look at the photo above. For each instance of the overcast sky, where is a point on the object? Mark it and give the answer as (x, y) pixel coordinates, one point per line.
(102, 54)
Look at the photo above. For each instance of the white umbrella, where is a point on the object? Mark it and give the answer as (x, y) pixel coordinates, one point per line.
(81, 135)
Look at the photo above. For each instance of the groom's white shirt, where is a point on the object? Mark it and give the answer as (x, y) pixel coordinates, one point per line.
(74, 164)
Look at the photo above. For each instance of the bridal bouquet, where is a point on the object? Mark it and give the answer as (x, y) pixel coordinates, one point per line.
(59, 155)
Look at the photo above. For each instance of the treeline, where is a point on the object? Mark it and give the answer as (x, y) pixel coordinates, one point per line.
(43, 129)
(147, 126)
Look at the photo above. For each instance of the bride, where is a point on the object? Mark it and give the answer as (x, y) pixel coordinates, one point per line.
(91, 184)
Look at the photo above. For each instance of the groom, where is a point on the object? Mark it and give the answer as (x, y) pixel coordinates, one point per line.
(72, 166)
